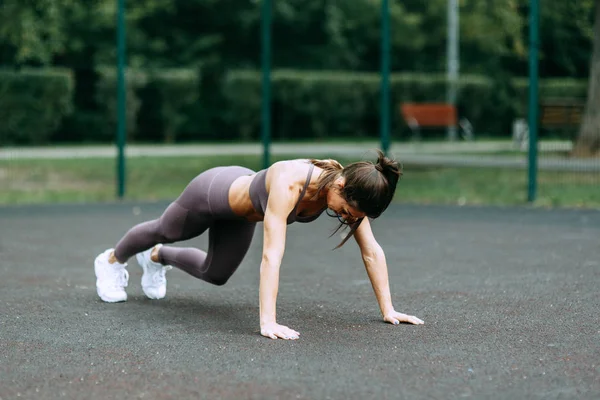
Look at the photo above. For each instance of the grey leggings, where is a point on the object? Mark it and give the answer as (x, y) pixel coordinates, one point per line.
(203, 205)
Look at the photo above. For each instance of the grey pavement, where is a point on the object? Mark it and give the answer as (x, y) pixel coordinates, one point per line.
(509, 297)
(50, 152)
(426, 154)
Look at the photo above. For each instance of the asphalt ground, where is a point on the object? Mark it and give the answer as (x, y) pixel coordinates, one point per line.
(510, 298)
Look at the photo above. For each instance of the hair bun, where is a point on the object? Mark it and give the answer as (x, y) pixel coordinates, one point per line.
(387, 166)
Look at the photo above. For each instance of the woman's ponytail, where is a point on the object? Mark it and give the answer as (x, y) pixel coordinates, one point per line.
(389, 168)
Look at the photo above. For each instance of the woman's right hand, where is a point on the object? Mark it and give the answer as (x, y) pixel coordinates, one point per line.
(273, 330)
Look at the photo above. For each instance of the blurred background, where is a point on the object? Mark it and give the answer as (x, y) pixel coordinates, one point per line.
(458, 110)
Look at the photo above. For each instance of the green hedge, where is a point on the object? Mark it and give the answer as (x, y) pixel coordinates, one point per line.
(329, 104)
(557, 88)
(168, 98)
(106, 96)
(185, 104)
(158, 102)
(33, 104)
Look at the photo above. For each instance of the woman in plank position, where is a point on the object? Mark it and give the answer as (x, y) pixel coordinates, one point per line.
(229, 201)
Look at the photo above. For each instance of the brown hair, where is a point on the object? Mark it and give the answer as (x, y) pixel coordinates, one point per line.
(369, 186)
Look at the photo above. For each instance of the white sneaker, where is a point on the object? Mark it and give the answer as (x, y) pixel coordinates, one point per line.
(154, 281)
(111, 279)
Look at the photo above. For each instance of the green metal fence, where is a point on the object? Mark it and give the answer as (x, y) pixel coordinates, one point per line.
(282, 79)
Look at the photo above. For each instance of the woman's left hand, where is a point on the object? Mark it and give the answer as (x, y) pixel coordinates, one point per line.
(395, 318)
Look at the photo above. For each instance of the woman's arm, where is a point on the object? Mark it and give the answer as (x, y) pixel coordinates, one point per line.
(376, 266)
(281, 202)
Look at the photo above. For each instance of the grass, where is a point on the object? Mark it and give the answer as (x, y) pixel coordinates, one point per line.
(163, 178)
(515, 153)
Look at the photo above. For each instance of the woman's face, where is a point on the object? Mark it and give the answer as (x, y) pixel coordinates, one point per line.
(337, 204)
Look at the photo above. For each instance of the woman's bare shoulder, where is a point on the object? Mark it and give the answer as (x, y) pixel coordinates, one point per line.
(289, 170)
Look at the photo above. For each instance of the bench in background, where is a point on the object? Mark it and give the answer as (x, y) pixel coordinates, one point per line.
(434, 115)
(564, 115)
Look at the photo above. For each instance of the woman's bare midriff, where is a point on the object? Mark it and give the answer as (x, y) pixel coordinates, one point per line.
(241, 203)
(239, 199)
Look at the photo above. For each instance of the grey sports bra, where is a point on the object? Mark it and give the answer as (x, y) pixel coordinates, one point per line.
(259, 196)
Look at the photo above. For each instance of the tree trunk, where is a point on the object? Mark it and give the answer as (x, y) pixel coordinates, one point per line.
(588, 141)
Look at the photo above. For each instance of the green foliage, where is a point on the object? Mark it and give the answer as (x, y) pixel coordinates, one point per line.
(307, 34)
(107, 98)
(242, 93)
(567, 31)
(175, 105)
(491, 34)
(158, 104)
(32, 32)
(316, 104)
(32, 104)
(176, 91)
(321, 104)
(557, 88)
(222, 37)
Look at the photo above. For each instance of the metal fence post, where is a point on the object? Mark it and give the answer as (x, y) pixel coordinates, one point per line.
(266, 81)
(533, 98)
(121, 99)
(385, 77)
(453, 60)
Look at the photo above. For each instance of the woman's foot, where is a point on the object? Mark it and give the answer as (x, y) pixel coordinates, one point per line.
(154, 281)
(111, 278)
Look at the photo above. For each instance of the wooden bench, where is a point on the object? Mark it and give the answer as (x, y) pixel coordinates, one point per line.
(434, 115)
(564, 115)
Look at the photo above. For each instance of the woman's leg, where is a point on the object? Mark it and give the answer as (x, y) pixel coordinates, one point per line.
(229, 241)
(203, 201)
(188, 216)
(177, 223)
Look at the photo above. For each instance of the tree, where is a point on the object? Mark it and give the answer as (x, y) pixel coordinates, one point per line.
(31, 31)
(588, 141)
(566, 30)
